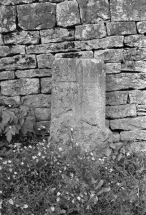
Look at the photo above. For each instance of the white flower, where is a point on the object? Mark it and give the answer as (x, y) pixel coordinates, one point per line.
(79, 198)
(25, 206)
(11, 202)
(58, 199)
(58, 194)
(0, 191)
(9, 161)
(52, 208)
(60, 149)
(39, 154)
(5, 162)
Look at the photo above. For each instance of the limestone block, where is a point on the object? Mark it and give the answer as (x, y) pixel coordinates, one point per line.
(127, 10)
(45, 60)
(115, 137)
(91, 10)
(134, 54)
(141, 27)
(36, 16)
(90, 31)
(22, 86)
(82, 54)
(14, 2)
(116, 98)
(135, 41)
(7, 75)
(78, 102)
(10, 101)
(33, 73)
(56, 35)
(1, 40)
(135, 66)
(18, 62)
(109, 55)
(121, 28)
(37, 101)
(133, 135)
(23, 37)
(141, 110)
(113, 68)
(11, 50)
(67, 13)
(43, 114)
(137, 96)
(46, 85)
(125, 81)
(121, 111)
(128, 123)
(7, 18)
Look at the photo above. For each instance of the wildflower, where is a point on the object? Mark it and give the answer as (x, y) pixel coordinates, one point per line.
(11, 202)
(25, 206)
(10, 169)
(5, 162)
(9, 161)
(39, 154)
(60, 149)
(34, 157)
(52, 208)
(79, 198)
(58, 199)
(0, 191)
(58, 194)
(71, 129)
(22, 163)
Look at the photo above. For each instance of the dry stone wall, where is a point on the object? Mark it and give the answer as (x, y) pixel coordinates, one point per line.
(35, 32)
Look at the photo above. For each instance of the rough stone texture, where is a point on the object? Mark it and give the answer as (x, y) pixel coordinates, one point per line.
(121, 111)
(135, 66)
(128, 10)
(1, 40)
(36, 16)
(57, 35)
(115, 137)
(134, 54)
(23, 37)
(67, 13)
(109, 55)
(82, 54)
(116, 98)
(77, 82)
(18, 62)
(125, 81)
(7, 18)
(20, 87)
(90, 31)
(13, 101)
(141, 27)
(137, 97)
(91, 10)
(43, 114)
(14, 2)
(141, 110)
(121, 28)
(33, 73)
(11, 50)
(129, 123)
(45, 60)
(135, 41)
(37, 101)
(113, 68)
(133, 135)
(46, 85)
(7, 75)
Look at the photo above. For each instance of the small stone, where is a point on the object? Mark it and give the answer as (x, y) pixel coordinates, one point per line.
(45, 60)
(137, 96)
(56, 35)
(68, 13)
(121, 111)
(121, 28)
(7, 75)
(113, 68)
(90, 31)
(23, 37)
(116, 98)
(7, 18)
(135, 66)
(20, 87)
(43, 114)
(37, 101)
(46, 85)
(82, 54)
(141, 27)
(33, 73)
(11, 50)
(109, 55)
(135, 41)
(36, 16)
(138, 135)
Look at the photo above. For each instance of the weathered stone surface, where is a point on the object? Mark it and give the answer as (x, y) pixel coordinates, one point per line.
(137, 97)
(33, 73)
(82, 54)
(45, 60)
(7, 18)
(22, 86)
(121, 28)
(10, 101)
(128, 123)
(54, 47)
(107, 123)
(141, 110)
(115, 137)
(68, 13)
(56, 35)
(133, 135)
(18, 62)
(127, 10)
(135, 66)
(1, 40)
(11, 50)
(46, 85)
(113, 68)
(91, 10)
(7, 75)
(43, 114)
(116, 98)
(13, 2)
(36, 16)
(107, 42)
(125, 81)
(109, 55)
(90, 31)
(53, 1)
(78, 101)
(134, 54)
(23, 37)
(37, 101)
(121, 111)
(135, 41)
(141, 27)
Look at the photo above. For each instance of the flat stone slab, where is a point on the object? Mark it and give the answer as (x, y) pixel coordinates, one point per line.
(78, 102)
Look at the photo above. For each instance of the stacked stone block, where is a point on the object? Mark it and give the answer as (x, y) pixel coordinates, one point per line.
(35, 32)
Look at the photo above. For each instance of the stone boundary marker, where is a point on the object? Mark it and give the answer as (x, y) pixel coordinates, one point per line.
(78, 102)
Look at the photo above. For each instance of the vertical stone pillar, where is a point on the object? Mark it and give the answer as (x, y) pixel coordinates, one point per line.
(78, 102)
